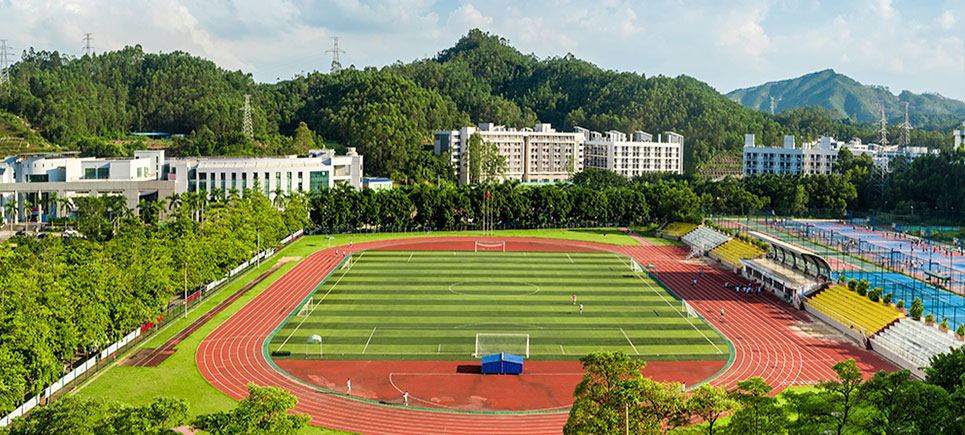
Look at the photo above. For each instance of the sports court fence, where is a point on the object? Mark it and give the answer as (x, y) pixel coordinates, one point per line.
(464, 227)
(85, 369)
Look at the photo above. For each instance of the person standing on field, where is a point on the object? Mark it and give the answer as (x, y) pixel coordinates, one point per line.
(574, 298)
(581, 308)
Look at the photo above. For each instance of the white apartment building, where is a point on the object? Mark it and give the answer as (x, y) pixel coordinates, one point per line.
(36, 178)
(817, 157)
(959, 137)
(612, 151)
(539, 154)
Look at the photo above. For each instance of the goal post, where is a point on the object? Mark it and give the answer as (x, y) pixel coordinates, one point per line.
(348, 262)
(688, 310)
(488, 344)
(307, 308)
(497, 246)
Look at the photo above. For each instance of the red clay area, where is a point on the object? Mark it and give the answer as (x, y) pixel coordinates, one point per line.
(764, 331)
(455, 385)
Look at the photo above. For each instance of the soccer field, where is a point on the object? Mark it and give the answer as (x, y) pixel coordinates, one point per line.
(430, 305)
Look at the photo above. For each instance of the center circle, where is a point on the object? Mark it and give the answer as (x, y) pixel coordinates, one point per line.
(493, 288)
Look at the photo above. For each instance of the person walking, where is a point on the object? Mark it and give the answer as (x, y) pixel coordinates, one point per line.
(722, 314)
(574, 298)
(348, 386)
(581, 308)
(405, 398)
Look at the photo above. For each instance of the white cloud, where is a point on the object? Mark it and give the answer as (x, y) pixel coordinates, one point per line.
(741, 32)
(467, 16)
(947, 20)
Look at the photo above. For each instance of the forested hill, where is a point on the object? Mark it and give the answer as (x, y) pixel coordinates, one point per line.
(849, 99)
(389, 113)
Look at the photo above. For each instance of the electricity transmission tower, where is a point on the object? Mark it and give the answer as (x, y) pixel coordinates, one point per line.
(905, 129)
(336, 64)
(882, 127)
(246, 128)
(774, 104)
(4, 66)
(88, 49)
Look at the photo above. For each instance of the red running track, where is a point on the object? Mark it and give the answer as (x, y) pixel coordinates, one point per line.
(761, 328)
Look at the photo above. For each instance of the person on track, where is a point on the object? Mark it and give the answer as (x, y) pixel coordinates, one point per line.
(405, 398)
(348, 386)
(721, 314)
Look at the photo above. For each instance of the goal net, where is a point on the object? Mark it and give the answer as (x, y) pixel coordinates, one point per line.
(490, 246)
(688, 310)
(308, 307)
(348, 262)
(488, 344)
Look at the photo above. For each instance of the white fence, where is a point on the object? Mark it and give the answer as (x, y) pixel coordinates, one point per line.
(93, 362)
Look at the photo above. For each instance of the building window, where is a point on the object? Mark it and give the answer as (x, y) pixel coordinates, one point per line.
(277, 180)
(90, 173)
(244, 181)
(318, 180)
(289, 181)
(38, 178)
(234, 180)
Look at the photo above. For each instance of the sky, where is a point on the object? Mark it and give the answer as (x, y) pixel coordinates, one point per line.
(902, 44)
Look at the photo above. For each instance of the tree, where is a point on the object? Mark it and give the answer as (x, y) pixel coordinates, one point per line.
(710, 403)
(947, 370)
(895, 404)
(486, 164)
(304, 139)
(607, 400)
(917, 309)
(72, 415)
(759, 413)
(264, 411)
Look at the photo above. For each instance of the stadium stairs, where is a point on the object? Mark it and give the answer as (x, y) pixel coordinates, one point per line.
(676, 230)
(733, 251)
(705, 238)
(852, 311)
(913, 343)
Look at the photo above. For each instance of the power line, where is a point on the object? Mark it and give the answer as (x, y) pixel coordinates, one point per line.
(882, 126)
(246, 127)
(336, 64)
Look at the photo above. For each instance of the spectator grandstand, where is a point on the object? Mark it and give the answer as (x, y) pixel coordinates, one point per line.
(914, 341)
(705, 238)
(675, 230)
(852, 310)
(733, 251)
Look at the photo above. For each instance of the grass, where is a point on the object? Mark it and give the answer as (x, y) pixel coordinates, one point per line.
(649, 232)
(429, 305)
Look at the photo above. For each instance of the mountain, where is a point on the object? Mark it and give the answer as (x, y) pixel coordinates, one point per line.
(849, 99)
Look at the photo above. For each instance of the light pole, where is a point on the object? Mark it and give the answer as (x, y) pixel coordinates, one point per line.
(185, 289)
(258, 233)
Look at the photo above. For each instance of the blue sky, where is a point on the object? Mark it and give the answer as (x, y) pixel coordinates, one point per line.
(914, 45)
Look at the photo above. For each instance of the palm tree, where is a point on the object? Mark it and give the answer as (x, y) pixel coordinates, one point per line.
(10, 209)
(278, 201)
(174, 201)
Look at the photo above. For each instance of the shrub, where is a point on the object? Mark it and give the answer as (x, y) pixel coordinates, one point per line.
(852, 284)
(944, 323)
(900, 304)
(874, 294)
(930, 318)
(961, 331)
(917, 308)
(842, 278)
(863, 287)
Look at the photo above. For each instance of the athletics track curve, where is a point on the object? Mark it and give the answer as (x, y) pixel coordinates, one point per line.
(760, 327)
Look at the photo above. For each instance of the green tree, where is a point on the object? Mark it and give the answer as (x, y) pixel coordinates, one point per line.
(608, 398)
(710, 403)
(266, 410)
(304, 139)
(759, 413)
(71, 415)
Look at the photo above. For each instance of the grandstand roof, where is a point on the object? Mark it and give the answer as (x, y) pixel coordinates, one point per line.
(797, 251)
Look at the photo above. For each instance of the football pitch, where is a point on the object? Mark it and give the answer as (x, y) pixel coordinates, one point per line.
(431, 305)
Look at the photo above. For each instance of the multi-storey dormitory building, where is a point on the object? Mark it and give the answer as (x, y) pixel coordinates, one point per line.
(818, 157)
(639, 155)
(35, 179)
(539, 154)
(542, 154)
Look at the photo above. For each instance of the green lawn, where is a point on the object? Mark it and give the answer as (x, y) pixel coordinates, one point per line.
(179, 375)
(430, 305)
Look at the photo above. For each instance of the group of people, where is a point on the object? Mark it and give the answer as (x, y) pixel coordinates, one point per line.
(754, 288)
(348, 392)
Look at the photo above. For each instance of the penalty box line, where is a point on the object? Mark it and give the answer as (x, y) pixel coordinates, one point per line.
(679, 312)
(350, 266)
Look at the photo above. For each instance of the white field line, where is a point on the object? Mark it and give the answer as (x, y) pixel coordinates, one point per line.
(679, 313)
(410, 256)
(350, 266)
(571, 258)
(628, 341)
(561, 349)
(369, 340)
